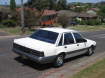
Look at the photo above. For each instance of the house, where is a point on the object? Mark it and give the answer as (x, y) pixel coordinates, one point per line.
(48, 17)
(71, 15)
(87, 16)
(26, 8)
(92, 11)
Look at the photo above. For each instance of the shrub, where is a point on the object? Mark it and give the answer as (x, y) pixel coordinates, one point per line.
(93, 22)
(63, 20)
(31, 18)
(9, 23)
(90, 22)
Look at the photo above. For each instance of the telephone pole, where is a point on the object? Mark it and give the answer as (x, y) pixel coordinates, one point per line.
(22, 17)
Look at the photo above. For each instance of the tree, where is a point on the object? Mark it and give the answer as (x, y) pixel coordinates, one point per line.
(38, 4)
(47, 4)
(62, 4)
(53, 4)
(102, 12)
(63, 20)
(12, 5)
(31, 17)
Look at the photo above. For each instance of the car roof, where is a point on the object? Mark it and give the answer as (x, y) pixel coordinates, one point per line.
(58, 30)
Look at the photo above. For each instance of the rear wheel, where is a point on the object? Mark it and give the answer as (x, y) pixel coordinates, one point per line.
(59, 60)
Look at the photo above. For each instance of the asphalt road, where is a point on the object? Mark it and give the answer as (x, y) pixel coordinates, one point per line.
(11, 66)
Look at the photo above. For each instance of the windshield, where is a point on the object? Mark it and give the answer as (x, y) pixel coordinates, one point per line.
(46, 36)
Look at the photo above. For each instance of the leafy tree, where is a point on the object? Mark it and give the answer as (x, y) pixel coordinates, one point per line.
(62, 4)
(102, 11)
(63, 20)
(12, 5)
(52, 4)
(38, 4)
(47, 4)
(31, 18)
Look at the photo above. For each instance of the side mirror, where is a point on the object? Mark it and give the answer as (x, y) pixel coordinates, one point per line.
(84, 40)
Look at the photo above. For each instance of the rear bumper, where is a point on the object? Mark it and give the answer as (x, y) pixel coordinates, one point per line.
(41, 60)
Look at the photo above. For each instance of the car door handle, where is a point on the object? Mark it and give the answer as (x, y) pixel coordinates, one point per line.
(65, 47)
(77, 44)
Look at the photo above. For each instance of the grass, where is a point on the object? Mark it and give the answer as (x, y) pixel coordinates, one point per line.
(88, 28)
(95, 71)
(15, 30)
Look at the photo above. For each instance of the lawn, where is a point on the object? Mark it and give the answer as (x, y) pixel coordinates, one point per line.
(88, 28)
(95, 71)
(17, 30)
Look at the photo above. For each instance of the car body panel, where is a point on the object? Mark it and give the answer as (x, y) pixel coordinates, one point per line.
(50, 50)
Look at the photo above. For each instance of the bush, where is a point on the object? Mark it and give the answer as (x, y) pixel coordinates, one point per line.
(90, 22)
(63, 20)
(9, 23)
(94, 22)
(31, 18)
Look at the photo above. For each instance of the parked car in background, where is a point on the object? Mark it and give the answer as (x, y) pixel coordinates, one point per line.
(53, 45)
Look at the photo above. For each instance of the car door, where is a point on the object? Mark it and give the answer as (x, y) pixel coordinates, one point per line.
(80, 44)
(70, 45)
(66, 44)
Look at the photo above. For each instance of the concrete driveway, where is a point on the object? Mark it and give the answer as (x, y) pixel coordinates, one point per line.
(11, 66)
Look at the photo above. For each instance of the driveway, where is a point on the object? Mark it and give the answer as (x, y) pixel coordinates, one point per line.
(12, 66)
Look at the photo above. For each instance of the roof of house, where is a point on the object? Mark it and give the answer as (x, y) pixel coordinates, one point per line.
(86, 15)
(26, 8)
(76, 14)
(68, 13)
(49, 12)
(58, 30)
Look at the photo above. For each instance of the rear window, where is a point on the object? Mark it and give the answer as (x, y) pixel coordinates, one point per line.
(46, 36)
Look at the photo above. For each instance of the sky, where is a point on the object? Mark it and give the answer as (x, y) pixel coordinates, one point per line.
(85, 1)
(5, 2)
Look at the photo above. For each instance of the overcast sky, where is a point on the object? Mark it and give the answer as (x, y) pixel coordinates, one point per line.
(5, 2)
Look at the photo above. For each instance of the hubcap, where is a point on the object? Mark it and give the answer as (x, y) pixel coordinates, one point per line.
(60, 60)
(90, 51)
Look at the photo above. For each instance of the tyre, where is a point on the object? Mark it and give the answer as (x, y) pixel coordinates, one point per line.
(59, 61)
(90, 51)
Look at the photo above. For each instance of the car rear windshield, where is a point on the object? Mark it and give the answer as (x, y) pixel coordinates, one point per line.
(46, 36)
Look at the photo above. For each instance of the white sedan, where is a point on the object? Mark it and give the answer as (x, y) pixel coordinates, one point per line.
(53, 45)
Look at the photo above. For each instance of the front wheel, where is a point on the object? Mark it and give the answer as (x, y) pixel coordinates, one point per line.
(59, 61)
(90, 51)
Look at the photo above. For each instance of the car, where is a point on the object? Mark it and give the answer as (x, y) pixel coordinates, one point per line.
(53, 45)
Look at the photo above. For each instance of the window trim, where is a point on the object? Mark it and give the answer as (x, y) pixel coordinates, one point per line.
(72, 36)
(75, 38)
(58, 40)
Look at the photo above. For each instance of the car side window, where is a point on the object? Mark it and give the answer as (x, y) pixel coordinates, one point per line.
(78, 38)
(68, 39)
(61, 40)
